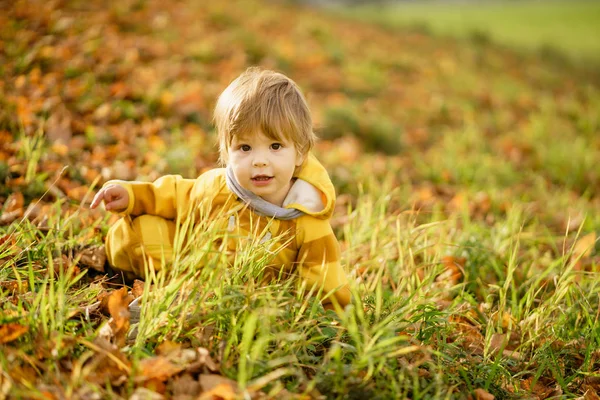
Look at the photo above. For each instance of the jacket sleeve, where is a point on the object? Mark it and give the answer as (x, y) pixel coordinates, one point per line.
(164, 197)
(319, 260)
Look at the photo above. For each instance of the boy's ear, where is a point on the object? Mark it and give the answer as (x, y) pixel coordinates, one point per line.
(300, 159)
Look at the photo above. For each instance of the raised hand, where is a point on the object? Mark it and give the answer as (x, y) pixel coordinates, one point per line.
(115, 197)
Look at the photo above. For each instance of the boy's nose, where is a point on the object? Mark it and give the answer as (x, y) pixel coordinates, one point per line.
(259, 162)
(260, 159)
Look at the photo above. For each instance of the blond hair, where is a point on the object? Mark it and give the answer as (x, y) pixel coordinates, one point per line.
(267, 101)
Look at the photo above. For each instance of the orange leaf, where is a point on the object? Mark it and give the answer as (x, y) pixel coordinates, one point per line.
(157, 368)
(482, 394)
(11, 331)
(14, 202)
(222, 391)
(217, 387)
(78, 193)
(585, 245)
(118, 307)
(138, 288)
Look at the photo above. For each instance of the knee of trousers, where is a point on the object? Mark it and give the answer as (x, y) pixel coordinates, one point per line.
(134, 244)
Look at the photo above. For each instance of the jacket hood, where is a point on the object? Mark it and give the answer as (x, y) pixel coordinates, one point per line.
(313, 192)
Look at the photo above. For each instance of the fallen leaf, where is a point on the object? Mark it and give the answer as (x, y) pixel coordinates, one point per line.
(60, 148)
(108, 365)
(590, 393)
(11, 216)
(9, 286)
(79, 193)
(11, 331)
(454, 267)
(159, 368)
(63, 265)
(93, 257)
(23, 374)
(220, 391)
(185, 386)
(33, 211)
(145, 394)
(482, 394)
(15, 201)
(138, 288)
(497, 342)
(585, 245)
(58, 128)
(118, 308)
(167, 347)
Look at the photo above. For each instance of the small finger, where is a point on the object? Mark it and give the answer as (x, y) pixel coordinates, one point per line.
(97, 199)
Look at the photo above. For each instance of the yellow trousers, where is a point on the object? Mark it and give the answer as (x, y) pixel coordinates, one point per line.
(131, 243)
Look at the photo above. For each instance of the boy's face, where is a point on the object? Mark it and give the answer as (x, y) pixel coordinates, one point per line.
(264, 166)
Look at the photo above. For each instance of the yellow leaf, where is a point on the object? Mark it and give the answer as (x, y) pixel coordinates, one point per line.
(585, 245)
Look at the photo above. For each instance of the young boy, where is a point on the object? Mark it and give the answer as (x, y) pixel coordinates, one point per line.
(271, 186)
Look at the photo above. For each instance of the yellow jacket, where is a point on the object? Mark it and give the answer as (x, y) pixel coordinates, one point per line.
(305, 245)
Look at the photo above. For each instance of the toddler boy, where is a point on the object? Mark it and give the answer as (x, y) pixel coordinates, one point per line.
(271, 186)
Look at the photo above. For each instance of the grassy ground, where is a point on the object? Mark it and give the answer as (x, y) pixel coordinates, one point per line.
(569, 27)
(468, 211)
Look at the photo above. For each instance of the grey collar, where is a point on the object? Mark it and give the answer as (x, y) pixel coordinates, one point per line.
(258, 204)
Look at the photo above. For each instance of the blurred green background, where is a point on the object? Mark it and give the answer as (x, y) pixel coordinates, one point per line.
(568, 27)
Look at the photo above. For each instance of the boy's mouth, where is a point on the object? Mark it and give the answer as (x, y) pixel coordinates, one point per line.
(261, 179)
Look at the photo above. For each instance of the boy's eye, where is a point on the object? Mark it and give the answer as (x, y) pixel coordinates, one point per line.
(245, 147)
(276, 146)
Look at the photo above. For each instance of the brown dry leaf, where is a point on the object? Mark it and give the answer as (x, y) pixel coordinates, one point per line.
(58, 126)
(505, 319)
(11, 216)
(185, 387)
(539, 389)
(108, 365)
(23, 374)
(33, 211)
(167, 347)
(118, 307)
(469, 337)
(585, 245)
(93, 257)
(210, 381)
(60, 148)
(497, 342)
(156, 385)
(11, 331)
(138, 288)
(79, 193)
(9, 286)
(570, 223)
(157, 368)
(482, 394)
(63, 264)
(203, 362)
(590, 393)
(217, 387)
(8, 239)
(8, 245)
(458, 202)
(454, 269)
(145, 394)
(14, 202)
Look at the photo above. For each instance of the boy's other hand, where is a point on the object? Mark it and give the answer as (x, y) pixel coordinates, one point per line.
(115, 197)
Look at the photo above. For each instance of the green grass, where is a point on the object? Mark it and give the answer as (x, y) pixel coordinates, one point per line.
(466, 179)
(570, 27)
